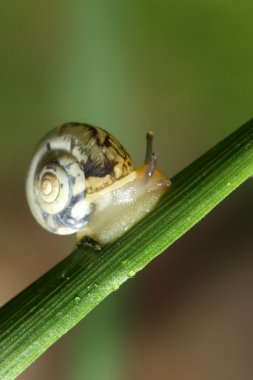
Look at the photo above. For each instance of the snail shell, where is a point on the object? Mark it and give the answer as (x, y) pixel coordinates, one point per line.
(71, 161)
(82, 180)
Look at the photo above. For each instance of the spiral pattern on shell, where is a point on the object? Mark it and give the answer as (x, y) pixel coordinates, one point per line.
(72, 161)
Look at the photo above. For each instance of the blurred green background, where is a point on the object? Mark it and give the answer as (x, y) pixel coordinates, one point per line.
(185, 70)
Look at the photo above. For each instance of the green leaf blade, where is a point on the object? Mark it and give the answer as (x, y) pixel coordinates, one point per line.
(47, 309)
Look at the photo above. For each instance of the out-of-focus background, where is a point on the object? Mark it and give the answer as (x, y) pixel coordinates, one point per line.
(184, 70)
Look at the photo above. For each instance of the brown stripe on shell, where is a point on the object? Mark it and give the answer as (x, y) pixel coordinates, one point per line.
(104, 158)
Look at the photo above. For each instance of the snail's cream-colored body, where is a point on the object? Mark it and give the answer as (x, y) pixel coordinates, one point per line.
(120, 206)
(81, 180)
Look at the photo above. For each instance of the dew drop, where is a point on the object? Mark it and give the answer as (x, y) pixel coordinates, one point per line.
(131, 273)
(115, 287)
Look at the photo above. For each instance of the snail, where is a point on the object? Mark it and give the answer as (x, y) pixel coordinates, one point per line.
(81, 180)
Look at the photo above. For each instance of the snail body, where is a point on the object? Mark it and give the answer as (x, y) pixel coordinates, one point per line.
(81, 180)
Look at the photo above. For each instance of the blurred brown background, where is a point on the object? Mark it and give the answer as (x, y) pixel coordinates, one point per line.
(184, 70)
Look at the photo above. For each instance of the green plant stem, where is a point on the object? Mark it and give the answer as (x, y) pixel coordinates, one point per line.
(47, 309)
